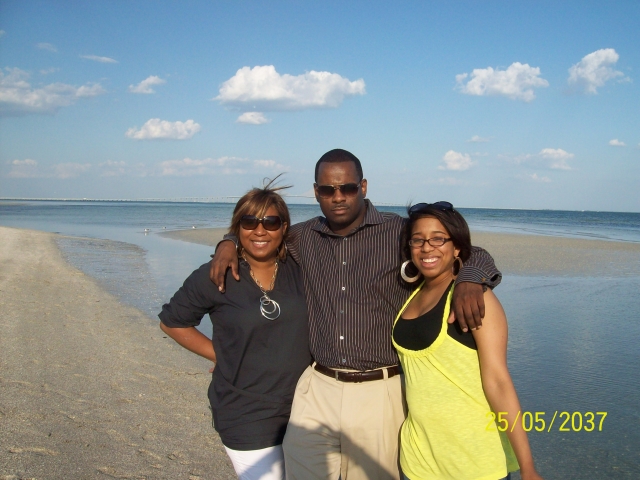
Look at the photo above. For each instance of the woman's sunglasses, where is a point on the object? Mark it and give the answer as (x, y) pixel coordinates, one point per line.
(425, 207)
(270, 222)
(346, 189)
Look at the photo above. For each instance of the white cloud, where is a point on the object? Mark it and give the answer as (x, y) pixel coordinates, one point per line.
(553, 158)
(477, 139)
(516, 82)
(47, 46)
(263, 88)
(617, 143)
(594, 70)
(456, 161)
(97, 58)
(217, 166)
(557, 158)
(47, 71)
(145, 85)
(253, 118)
(156, 128)
(450, 181)
(69, 170)
(536, 178)
(29, 168)
(17, 97)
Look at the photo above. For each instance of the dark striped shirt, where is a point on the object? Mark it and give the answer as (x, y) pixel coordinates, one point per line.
(354, 290)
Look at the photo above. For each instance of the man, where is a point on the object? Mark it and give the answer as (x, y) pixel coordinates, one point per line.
(348, 406)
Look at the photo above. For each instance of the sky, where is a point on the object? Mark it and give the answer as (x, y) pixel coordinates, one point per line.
(484, 104)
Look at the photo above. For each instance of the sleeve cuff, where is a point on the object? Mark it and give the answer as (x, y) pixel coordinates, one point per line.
(473, 274)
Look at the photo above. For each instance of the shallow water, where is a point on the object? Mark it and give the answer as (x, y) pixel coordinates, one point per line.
(573, 341)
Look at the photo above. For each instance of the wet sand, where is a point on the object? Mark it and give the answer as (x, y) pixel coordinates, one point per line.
(518, 254)
(90, 388)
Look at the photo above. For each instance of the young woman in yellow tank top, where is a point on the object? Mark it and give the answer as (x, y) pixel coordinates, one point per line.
(457, 382)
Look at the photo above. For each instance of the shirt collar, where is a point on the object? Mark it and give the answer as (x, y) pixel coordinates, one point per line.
(371, 217)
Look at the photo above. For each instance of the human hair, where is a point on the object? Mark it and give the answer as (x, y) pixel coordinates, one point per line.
(256, 202)
(339, 155)
(453, 222)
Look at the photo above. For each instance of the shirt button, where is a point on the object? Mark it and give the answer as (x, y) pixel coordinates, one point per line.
(341, 311)
(341, 337)
(344, 263)
(344, 360)
(343, 288)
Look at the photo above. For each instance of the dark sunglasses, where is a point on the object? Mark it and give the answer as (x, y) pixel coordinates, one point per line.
(346, 189)
(270, 222)
(425, 207)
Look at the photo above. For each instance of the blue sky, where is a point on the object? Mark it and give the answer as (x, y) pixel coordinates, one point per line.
(484, 104)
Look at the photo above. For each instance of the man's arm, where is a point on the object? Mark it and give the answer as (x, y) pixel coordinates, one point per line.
(226, 255)
(478, 273)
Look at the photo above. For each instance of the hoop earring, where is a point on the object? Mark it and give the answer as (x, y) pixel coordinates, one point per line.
(404, 276)
(460, 265)
(283, 254)
(239, 250)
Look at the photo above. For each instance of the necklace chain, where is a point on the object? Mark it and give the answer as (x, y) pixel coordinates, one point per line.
(268, 308)
(273, 279)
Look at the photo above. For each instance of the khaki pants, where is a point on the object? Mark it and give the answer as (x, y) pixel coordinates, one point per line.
(347, 430)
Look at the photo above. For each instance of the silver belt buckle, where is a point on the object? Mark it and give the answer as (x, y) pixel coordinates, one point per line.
(336, 376)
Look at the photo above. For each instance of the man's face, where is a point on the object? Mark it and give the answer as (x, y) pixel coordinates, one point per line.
(341, 210)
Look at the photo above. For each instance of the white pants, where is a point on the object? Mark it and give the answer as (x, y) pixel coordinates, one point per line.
(264, 464)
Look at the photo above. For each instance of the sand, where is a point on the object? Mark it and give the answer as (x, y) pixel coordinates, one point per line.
(518, 254)
(90, 388)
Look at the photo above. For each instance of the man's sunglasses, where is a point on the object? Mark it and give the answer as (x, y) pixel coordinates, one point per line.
(346, 189)
(270, 222)
(425, 207)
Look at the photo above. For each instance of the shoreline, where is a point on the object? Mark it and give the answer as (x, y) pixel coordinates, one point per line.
(90, 386)
(516, 254)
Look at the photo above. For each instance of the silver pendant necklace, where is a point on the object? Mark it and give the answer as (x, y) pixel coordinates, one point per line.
(268, 308)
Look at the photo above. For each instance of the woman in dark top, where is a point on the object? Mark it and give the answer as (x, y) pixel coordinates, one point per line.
(260, 335)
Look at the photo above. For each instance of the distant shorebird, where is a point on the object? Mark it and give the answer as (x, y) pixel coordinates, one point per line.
(146, 229)
(193, 226)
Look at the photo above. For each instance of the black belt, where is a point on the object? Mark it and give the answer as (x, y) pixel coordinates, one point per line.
(357, 377)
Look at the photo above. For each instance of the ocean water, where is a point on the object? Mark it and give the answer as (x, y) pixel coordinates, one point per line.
(573, 346)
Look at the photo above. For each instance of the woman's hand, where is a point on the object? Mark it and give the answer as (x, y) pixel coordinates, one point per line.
(530, 475)
(226, 256)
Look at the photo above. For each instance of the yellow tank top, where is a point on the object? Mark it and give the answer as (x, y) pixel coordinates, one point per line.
(448, 432)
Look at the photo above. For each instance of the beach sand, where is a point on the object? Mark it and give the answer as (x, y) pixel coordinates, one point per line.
(90, 388)
(517, 254)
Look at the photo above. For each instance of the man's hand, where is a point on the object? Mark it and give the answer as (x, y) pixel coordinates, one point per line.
(467, 305)
(226, 256)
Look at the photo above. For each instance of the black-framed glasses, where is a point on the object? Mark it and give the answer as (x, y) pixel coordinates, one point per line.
(434, 242)
(425, 207)
(270, 222)
(346, 189)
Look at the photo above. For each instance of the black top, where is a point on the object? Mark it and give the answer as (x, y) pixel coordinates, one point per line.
(259, 360)
(421, 332)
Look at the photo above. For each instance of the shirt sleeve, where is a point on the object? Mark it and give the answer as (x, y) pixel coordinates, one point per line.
(191, 302)
(480, 268)
(293, 241)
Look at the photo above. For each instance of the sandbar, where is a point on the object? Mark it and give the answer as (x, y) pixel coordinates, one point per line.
(518, 254)
(89, 387)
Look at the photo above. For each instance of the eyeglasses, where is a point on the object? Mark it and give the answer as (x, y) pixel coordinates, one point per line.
(434, 242)
(346, 189)
(424, 207)
(270, 222)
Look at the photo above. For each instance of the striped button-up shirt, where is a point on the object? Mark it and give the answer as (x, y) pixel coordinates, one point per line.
(354, 289)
